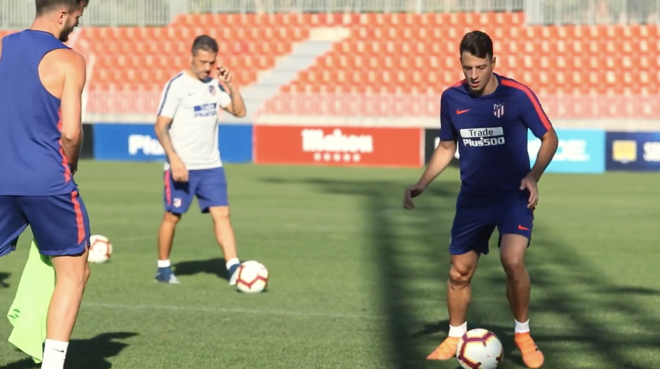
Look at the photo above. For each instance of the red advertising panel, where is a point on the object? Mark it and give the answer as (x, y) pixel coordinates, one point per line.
(363, 146)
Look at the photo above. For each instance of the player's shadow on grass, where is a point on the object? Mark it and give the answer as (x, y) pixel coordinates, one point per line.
(3, 279)
(606, 320)
(215, 267)
(86, 354)
(396, 236)
(636, 291)
(409, 251)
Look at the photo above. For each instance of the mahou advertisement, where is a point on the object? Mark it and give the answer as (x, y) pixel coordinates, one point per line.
(342, 146)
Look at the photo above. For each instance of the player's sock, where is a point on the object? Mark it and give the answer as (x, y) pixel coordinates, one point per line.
(458, 331)
(232, 267)
(54, 354)
(521, 327)
(164, 263)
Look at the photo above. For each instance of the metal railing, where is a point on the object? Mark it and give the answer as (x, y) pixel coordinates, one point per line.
(15, 14)
(385, 107)
(19, 13)
(562, 12)
(353, 6)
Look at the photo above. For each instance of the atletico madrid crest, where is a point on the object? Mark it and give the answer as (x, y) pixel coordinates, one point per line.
(498, 109)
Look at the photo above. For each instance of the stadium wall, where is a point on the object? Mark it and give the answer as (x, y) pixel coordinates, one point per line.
(580, 150)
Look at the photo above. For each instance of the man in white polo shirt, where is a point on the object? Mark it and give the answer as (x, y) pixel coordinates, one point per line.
(187, 128)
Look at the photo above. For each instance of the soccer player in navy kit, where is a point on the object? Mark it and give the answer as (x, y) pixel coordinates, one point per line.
(488, 116)
(40, 139)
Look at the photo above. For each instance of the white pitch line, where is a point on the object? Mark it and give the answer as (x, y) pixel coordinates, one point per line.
(230, 310)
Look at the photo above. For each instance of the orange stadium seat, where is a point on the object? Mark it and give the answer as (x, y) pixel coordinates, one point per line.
(386, 53)
(160, 52)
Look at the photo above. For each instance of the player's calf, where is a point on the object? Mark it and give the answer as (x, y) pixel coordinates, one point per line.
(518, 289)
(72, 274)
(518, 284)
(166, 232)
(459, 292)
(224, 233)
(459, 288)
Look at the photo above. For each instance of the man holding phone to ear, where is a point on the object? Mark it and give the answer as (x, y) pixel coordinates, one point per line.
(187, 128)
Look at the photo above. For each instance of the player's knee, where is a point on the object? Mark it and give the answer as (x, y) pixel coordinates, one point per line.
(513, 266)
(73, 273)
(220, 213)
(171, 218)
(460, 276)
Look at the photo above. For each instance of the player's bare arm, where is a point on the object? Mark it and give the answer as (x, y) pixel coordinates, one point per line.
(549, 144)
(162, 129)
(74, 68)
(237, 106)
(439, 161)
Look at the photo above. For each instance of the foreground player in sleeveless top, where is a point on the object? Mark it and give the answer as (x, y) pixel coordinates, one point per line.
(488, 117)
(40, 139)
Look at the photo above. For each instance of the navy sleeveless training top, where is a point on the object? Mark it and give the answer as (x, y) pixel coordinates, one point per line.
(32, 162)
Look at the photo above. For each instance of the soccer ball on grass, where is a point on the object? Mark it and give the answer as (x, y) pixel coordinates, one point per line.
(479, 349)
(252, 277)
(100, 249)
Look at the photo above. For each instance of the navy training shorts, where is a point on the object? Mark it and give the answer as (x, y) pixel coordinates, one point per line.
(209, 185)
(59, 223)
(477, 216)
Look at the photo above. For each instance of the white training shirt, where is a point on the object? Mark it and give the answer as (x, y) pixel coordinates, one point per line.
(193, 106)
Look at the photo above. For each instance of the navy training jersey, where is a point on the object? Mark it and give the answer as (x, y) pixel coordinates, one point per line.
(491, 132)
(32, 160)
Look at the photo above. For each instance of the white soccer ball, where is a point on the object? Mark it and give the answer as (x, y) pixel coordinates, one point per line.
(479, 348)
(100, 249)
(252, 277)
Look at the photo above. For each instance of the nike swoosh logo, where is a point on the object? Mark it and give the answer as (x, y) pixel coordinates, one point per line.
(523, 228)
(459, 112)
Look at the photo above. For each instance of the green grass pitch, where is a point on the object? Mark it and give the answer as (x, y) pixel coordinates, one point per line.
(356, 281)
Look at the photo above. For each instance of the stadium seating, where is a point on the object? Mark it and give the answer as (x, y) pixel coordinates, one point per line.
(385, 54)
(388, 53)
(145, 58)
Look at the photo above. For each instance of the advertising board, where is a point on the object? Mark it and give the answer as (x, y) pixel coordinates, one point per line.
(633, 151)
(341, 146)
(138, 142)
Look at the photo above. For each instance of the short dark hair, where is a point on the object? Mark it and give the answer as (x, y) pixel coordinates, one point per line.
(478, 44)
(206, 43)
(43, 6)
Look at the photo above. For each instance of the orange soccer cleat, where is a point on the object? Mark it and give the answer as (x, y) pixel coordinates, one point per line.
(531, 355)
(446, 350)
